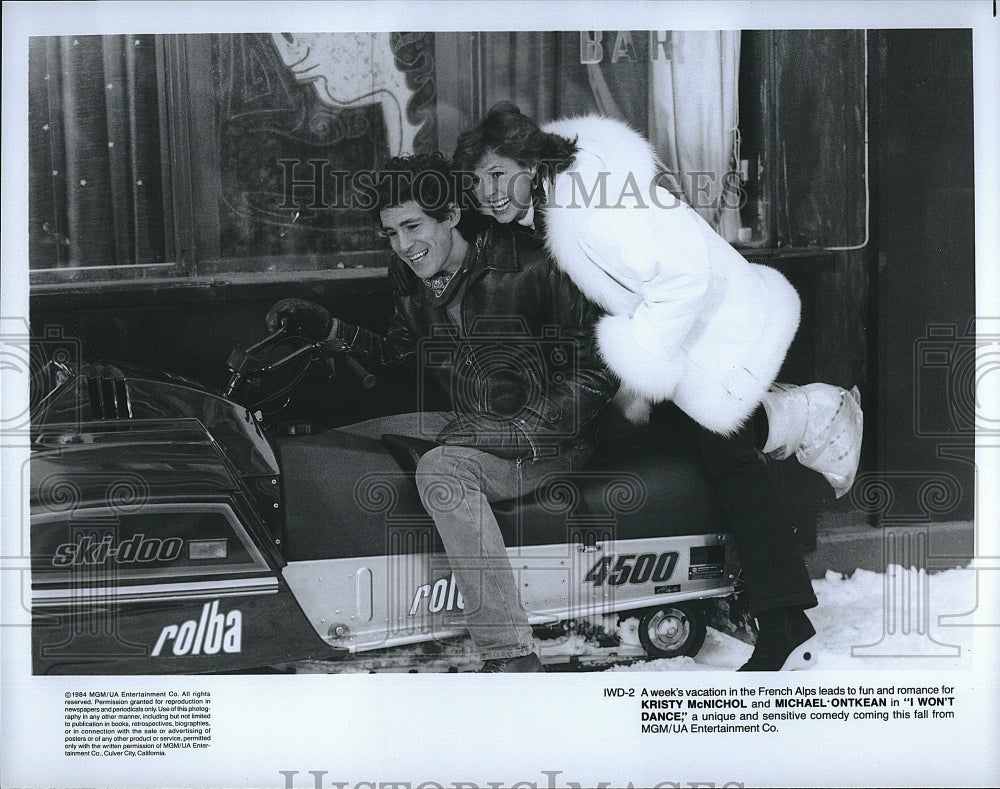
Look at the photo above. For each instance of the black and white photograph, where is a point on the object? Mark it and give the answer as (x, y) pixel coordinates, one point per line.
(354, 353)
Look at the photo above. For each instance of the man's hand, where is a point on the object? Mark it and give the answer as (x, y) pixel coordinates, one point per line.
(500, 437)
(312, 319)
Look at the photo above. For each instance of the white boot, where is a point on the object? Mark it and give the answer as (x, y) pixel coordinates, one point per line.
(821, 424)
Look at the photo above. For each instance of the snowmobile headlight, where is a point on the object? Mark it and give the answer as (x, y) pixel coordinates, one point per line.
(208, 549)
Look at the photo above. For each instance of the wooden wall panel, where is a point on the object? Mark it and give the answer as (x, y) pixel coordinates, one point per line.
(925, 298)
(819, 117)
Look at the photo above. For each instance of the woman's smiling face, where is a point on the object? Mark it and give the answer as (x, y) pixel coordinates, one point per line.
(504, 187)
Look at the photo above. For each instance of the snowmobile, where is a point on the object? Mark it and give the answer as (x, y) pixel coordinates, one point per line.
(176, 529)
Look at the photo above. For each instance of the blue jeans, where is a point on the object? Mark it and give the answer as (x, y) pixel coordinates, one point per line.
(456, 486)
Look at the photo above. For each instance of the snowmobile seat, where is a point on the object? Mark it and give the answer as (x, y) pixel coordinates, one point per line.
(346, 495)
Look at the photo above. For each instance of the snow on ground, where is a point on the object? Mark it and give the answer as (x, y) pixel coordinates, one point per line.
(866, 621)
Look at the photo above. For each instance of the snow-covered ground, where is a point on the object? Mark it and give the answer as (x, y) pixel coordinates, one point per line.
(868, 620)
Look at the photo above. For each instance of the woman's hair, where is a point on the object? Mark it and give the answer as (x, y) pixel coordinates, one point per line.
(507, 132)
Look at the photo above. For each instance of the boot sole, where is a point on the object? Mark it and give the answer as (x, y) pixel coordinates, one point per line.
(804, 657)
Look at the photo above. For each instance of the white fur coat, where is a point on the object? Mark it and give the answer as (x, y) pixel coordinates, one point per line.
(689, 319)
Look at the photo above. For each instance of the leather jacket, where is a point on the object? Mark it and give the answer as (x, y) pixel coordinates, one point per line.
(522, 370)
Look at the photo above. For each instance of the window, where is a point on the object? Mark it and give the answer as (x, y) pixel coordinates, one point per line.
(154, 155)
(278, 127)
(187, 155)
(98, 188)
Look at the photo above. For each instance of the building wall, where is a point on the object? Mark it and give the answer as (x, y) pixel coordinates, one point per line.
(865, 309)
(924, 300)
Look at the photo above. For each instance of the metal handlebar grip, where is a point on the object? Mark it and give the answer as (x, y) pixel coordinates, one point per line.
(364, 376)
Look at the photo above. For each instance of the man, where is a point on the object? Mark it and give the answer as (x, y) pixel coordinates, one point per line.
(497, 306)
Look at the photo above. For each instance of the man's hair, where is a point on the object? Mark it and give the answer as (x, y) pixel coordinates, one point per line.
(424, 178)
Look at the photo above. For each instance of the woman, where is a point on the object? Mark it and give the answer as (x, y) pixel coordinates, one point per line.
(688, 320)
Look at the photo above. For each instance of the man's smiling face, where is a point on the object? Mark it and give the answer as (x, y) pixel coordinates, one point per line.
(426, 245)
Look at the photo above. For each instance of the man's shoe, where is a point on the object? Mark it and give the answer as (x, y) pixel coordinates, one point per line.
(515, 665)
(821, 425)
(786, 641)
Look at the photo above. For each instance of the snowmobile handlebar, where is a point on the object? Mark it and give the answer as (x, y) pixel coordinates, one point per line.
(254, 363)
